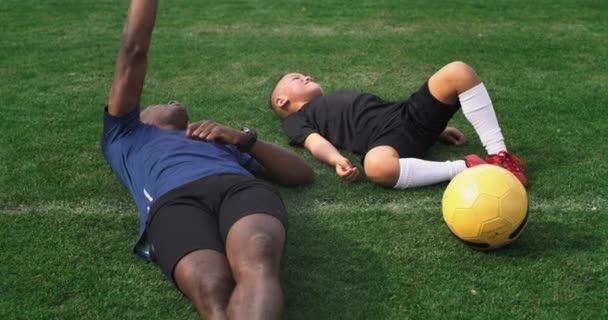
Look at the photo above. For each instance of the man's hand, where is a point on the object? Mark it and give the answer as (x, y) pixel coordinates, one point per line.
(452, 136)
(346, 171)
(212, 132)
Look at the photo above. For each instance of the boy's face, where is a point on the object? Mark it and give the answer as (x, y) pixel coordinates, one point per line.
(296, 89)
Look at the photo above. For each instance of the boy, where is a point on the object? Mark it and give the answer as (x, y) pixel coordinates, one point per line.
(392, 137)
(214, 230)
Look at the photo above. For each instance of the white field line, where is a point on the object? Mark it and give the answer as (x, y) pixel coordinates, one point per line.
(64, 207)
(406, 205)
(599, 206)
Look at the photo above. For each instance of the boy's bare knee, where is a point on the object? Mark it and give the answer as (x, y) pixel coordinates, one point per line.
(381, 171)
(461, 76)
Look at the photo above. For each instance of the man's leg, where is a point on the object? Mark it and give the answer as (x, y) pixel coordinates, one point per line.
(204, 277)
(254, 246)
(188, 249)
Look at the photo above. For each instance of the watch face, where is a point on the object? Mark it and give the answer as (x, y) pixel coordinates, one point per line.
(250, 131)
(251, 139)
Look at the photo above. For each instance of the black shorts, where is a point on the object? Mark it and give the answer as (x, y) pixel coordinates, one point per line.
(423, 119)
(199, 215)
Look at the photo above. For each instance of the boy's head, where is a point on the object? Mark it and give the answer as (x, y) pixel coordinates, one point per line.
(170, 116)
(291, 92)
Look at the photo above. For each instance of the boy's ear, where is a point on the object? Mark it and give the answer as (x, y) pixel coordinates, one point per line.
(281, 102)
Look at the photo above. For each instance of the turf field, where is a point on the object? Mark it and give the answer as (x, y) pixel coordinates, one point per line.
(354, 251)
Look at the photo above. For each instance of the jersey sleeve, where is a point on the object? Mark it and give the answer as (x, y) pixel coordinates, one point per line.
(116, 128)
(120, 137)
(297, 129)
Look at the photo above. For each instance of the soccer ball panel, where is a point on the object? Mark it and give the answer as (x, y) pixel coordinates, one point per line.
(495, 226)
(512, 205)
(486, 207)
(496, 232)
(463, 196)
(465, 223)
(493, 182)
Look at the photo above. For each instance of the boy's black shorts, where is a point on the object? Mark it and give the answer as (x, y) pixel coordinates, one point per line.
(422, 121)
(199, 215)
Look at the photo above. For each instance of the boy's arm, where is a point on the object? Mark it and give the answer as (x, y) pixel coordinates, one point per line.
(325, 152)
(130, 68)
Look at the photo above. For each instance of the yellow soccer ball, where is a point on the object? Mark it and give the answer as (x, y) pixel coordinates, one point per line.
(485, 207)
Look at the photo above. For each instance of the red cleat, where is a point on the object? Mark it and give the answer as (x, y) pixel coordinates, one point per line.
(473, 160)
(510, 162)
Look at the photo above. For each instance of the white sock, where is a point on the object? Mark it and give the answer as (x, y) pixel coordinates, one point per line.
(477, 108)
(417, 173)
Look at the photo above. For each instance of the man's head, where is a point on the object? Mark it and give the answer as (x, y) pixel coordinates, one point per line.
(170, 116)
(291, 92)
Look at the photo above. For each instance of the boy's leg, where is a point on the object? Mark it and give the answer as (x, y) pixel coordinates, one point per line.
(384, 167)
(458, 82)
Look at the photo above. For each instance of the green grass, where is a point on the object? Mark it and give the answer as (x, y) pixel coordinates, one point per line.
(354, 251)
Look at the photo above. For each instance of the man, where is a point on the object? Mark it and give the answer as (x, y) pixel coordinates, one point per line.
(213, 228)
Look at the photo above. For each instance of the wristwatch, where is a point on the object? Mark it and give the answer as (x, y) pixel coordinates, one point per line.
(252, 137)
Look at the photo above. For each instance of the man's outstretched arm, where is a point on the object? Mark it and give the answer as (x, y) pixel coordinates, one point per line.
(130, 69)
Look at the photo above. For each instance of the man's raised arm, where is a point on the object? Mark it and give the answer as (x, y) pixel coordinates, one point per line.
(130, 69)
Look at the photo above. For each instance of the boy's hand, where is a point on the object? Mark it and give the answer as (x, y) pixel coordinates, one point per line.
(212, 132)
(346, 171)
(452, 136)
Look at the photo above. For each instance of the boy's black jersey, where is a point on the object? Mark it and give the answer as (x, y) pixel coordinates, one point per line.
(350, 120)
